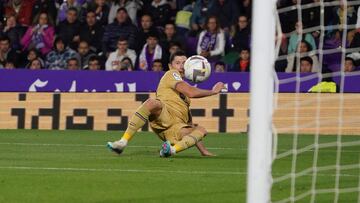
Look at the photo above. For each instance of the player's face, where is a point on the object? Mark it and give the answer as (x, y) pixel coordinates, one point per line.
(178, 64)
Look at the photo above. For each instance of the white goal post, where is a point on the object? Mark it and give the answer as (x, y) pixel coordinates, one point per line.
(288, 160)
(261, 102)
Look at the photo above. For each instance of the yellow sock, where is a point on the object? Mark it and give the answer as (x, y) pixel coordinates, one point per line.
(137, 121)
(189, 140)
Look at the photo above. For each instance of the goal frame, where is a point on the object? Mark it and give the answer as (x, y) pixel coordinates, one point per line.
(261, 101)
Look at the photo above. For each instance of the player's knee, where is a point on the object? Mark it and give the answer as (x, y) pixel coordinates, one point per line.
(201, 129)
(153, 105)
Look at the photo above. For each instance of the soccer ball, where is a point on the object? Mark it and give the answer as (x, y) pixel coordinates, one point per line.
(197, 69)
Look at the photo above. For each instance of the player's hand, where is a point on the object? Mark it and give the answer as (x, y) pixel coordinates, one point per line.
(218, 87)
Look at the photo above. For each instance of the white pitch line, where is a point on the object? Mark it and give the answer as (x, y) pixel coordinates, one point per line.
(124, 170)
(150, 171)
(139, 146)
(85, 145)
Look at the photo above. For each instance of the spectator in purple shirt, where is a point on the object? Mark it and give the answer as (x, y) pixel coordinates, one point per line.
(151, 51)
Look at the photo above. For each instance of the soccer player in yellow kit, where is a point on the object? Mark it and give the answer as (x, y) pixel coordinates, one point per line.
(169, 114)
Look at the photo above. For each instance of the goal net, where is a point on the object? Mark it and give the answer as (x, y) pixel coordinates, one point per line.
(314, 117)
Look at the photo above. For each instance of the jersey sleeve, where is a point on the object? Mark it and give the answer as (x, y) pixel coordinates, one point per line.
(172, 78)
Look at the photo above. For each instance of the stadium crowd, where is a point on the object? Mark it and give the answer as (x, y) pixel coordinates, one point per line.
(127, 35)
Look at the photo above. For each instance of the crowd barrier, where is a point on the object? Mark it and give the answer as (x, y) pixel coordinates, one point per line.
(227, 112)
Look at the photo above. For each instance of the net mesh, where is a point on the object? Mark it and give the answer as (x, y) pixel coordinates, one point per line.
(316, 143)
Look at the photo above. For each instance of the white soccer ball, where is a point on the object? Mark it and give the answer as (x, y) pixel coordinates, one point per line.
(197, 69)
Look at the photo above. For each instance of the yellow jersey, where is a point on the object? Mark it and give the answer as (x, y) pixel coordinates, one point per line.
(176, 102)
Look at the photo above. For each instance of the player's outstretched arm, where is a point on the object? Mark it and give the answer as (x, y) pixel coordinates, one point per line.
(202, 149)
(194, 92)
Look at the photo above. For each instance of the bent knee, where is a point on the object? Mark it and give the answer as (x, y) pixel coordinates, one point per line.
(201, 129)
(153, 105)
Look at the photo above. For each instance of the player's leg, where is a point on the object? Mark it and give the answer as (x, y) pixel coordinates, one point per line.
(189, 137)
(150, 107)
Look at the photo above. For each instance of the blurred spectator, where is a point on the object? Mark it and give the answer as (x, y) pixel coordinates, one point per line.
(92, 32)
(69, 28)
(226, 11)
(311, 16)
(160, 11)
(146, 27)
(220, 67)
(122, 27)
(339, 15)
(35, 64)
(22, 9)
(281, 63)
(289, 18)
(199, 13)
(57, 59)
(9, 65)
(40, 35)
(83, 2)
(132, 6)
(32, 55)
(245, 8)
(2, 12)
(180, 4)
(126, 64)
(115, 58)
(171, 35)
(306, 64)
(211, 44)
(150, 52)
(7, 53)
(242, 34)
(294, 38)
(332, 61)
(14, 31)
(93, 63)
(84, 53)
(45, 6)
(72, 64)
(305, 51)
(157, 65)
(182, 20)
(65, 6)
(243, 63)
(349, 64)
(101, 10)
(173, 47)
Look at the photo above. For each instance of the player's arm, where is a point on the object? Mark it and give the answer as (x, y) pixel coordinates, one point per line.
(194, 92)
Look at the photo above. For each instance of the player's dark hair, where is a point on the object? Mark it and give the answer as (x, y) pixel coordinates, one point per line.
(177, 53)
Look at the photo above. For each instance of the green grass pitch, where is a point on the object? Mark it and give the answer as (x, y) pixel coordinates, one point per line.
(75, 166)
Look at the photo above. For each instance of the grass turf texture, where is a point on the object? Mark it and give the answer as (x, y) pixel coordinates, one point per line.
(75, 166)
